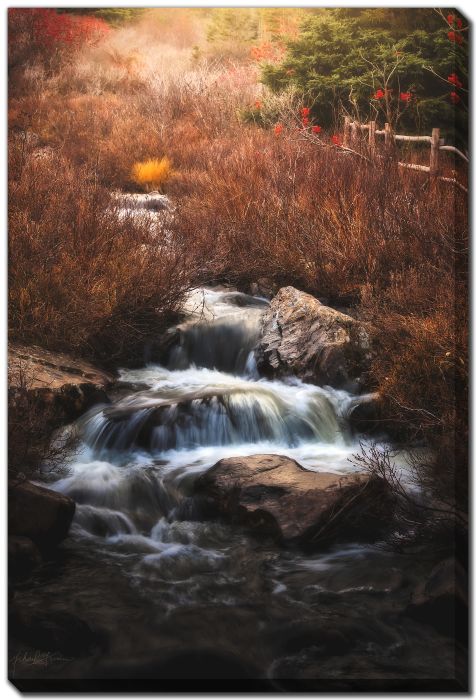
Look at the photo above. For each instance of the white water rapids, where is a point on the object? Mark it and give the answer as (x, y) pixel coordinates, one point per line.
(179, 597)
(138, 457)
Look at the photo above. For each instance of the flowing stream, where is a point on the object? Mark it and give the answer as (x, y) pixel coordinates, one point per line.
(173, 594)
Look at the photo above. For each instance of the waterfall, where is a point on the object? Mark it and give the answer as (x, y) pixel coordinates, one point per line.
(138, 457)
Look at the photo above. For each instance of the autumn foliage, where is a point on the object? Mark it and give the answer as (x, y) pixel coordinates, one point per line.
(253, 201)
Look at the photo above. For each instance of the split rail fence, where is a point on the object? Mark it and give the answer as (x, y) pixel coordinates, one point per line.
(354, 132)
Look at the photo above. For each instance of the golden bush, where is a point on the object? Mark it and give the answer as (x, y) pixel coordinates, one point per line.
(152, 174)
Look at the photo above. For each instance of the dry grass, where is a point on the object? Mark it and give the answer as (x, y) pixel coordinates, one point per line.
(82, 278)
(250, 204)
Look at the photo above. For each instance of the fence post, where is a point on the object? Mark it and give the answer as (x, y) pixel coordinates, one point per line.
(353, 134)
(435, 151)
(372, 128)
(388, 135)
(346, 132)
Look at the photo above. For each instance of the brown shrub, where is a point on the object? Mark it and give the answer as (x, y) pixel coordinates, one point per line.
(83, 278)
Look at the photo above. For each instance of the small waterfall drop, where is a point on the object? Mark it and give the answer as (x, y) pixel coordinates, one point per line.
(139, 456)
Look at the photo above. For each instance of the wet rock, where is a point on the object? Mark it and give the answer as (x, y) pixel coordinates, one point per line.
(53, 631)
(301, 336)
(263, 287)
(442, 600)
(23, 557)
(365, 414)
(273, 495)
(42, 515)
(42, 380)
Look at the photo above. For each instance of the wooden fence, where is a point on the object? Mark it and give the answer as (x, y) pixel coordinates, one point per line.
(354, 132)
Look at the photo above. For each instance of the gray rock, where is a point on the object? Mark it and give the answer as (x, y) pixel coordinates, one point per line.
(303, 337)
(274, 496)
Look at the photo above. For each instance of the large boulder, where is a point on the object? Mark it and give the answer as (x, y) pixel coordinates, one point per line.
(303, 337)
(273, 495)
(54, 382)
(35, 512)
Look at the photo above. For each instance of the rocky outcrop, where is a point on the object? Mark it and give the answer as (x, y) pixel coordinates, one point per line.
(39, 514)
(273, 495)
(303, 337)
(62, 385)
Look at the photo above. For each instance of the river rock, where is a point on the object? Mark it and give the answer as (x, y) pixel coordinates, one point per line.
(42, 515)
(273, 495)
(442, 599)
(56, 382)
(23, 557)
(364, 413)
(303, 337)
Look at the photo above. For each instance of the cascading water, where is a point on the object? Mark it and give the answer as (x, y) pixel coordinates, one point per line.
(140, 454)
(132, 478)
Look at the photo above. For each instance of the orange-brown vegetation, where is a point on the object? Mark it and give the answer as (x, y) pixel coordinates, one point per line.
(251, 203)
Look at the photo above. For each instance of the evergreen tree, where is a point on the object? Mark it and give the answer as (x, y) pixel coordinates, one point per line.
(385, 64)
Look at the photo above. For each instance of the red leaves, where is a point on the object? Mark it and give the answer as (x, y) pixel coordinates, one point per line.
(452, 20)
(305, 122)
(258, 104)
(379, 94)
(305, 112)
(278, 129)
(454, 80)
(405, 96)
(455, 98)
(455, 37)
(51, 30)
(267, 51)
(316, 129)
(336, 140)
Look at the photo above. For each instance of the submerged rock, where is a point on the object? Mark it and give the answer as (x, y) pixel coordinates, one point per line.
(42, 515)
(301, 336)
(273, 495)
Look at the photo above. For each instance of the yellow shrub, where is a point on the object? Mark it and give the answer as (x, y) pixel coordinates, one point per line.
(152, 174)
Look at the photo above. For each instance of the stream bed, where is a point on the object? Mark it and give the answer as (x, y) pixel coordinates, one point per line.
(166, 595)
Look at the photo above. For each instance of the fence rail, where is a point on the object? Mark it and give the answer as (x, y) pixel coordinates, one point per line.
(351, 139)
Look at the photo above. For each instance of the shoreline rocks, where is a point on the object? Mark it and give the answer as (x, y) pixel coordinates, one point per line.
(39, 514)
(274, 496)
(64, 386)
(318, 344)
